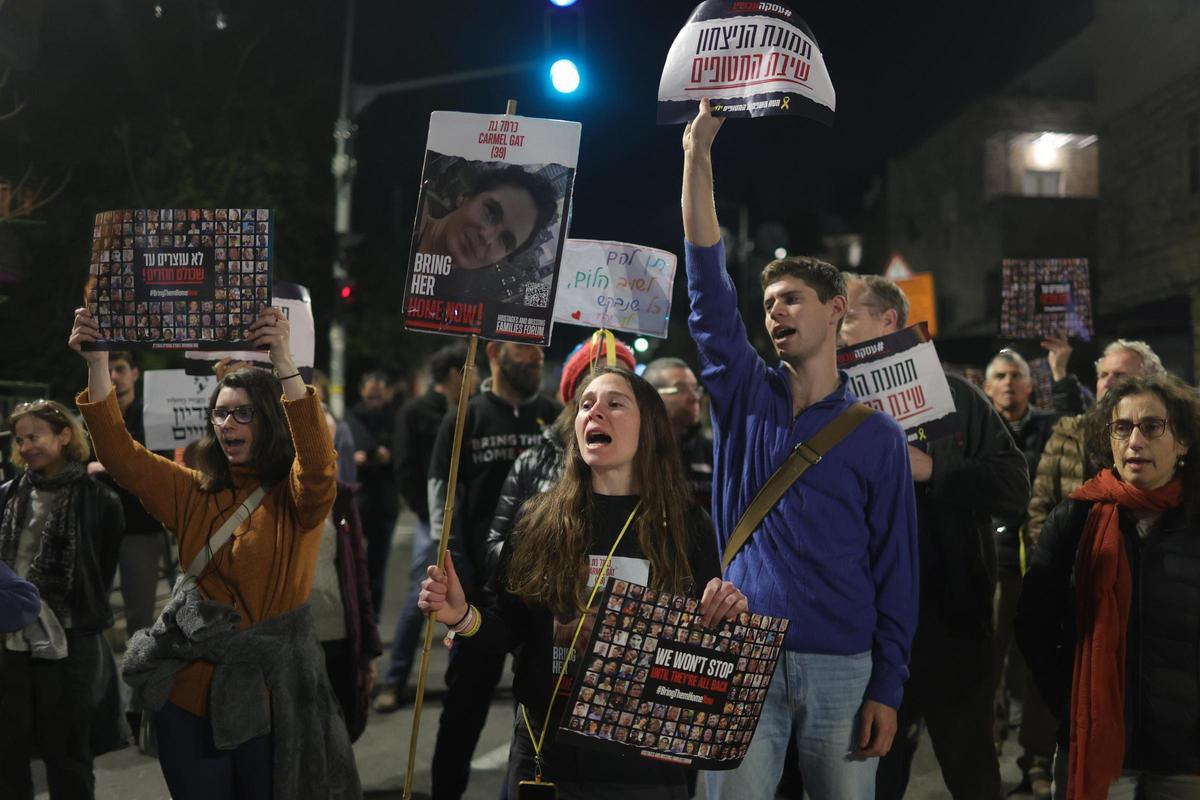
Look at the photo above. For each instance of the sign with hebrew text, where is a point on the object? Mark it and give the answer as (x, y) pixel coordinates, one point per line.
(623, 287)
(900, 374)
(175, 404)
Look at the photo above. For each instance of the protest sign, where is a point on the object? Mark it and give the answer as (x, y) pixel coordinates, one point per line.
(624, 287)
(1043, 297)
(751, 59)
(900, 374)
(174, 407)
(654, 683)
(179, 279)
(491, 225)
(296, 304)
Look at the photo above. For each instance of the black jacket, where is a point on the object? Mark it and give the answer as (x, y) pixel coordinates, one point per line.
(1030, 435)
(978, 472)
(1162, 686)
(416, 432)
(534, 471)
(101, 525)
(494, 434)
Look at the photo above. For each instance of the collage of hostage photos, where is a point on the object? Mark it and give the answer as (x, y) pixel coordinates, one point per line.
(193, 278)
(654, 682)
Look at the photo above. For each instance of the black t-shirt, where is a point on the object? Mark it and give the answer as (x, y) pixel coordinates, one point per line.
(494, 433)
(539, 641)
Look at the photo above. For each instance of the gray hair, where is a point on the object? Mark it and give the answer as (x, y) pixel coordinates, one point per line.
(655, 369)
(1151, 363)
(1012, 357)
(880, 295)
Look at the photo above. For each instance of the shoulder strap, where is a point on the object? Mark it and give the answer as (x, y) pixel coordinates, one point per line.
(218, 539)
(803, 456)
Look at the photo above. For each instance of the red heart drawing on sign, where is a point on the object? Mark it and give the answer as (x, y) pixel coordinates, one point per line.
(576, 314)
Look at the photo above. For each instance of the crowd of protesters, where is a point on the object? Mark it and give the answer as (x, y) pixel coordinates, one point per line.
(1040, 561)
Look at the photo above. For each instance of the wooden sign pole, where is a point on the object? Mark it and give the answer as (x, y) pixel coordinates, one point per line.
(464, 394)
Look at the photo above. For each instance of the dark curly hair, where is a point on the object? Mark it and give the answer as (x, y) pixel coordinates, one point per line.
(273, 451)
(545, 199)
(1183, 420)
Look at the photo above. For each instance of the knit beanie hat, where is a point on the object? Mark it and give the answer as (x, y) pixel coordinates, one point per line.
(581, 359)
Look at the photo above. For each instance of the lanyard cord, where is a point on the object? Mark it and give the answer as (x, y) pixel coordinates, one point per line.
(537, 741)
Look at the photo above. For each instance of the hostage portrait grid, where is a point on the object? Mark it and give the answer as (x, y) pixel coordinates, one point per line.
(653, 680)
(179, 278)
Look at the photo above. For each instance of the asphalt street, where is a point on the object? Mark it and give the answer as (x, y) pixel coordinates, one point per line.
(382, 752)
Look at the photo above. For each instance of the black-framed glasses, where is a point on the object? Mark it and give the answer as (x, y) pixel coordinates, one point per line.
(243, 414)
(1151, 427)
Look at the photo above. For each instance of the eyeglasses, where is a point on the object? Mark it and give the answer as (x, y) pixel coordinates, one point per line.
(1151, 427)
(243, 414)
(668, 391)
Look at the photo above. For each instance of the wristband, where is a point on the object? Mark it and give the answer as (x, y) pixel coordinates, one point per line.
(289, 377)
(463, 618)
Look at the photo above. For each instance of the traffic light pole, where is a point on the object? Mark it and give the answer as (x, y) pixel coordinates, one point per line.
(343, 182)
(354, 98)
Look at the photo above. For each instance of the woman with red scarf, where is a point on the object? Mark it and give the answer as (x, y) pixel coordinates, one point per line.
(1109, 617)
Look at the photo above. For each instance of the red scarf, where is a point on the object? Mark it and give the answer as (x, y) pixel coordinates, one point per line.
(1103, 589)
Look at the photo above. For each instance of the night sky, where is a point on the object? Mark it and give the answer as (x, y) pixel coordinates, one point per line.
(129, 109)
(899, 70)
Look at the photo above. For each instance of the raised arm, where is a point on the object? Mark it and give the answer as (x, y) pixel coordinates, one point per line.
(312, 481)
(726, 356)
(699, 208)
(162, 486)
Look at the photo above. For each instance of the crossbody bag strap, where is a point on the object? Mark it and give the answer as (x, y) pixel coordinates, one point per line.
(804, 455)
(218, 539)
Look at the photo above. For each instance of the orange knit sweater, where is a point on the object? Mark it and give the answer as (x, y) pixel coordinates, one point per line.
(268, 568)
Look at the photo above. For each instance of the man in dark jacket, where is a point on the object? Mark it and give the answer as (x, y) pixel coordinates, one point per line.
(962, 480)
(503, 420)
(372, 421)
(416, 433)
(1009, 385)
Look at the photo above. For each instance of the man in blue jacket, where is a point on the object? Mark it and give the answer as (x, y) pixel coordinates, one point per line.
(837, 555)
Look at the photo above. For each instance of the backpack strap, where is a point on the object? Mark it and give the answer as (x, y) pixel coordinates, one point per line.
(804, 455)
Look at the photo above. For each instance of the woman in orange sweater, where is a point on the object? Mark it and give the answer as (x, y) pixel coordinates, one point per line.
(263, 573)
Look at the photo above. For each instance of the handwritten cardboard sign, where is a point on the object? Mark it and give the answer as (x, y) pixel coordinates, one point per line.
(615, 285)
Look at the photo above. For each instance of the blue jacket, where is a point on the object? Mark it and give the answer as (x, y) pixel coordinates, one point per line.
(838, 553)
(19, 601)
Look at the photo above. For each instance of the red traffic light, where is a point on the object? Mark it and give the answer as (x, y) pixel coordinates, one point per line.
(347, 292)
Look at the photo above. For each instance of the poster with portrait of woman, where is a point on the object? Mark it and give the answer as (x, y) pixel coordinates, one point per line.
(491, 224)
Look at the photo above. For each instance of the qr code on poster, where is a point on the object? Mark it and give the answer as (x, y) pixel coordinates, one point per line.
(537, 294)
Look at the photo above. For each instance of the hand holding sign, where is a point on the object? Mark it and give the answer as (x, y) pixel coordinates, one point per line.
(442, 593)
(699, 134)
(84, 331)
(722, 601)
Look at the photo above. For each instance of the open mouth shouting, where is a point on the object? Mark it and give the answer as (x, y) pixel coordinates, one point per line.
(596, 439)
(782, 334)
(236, 448)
